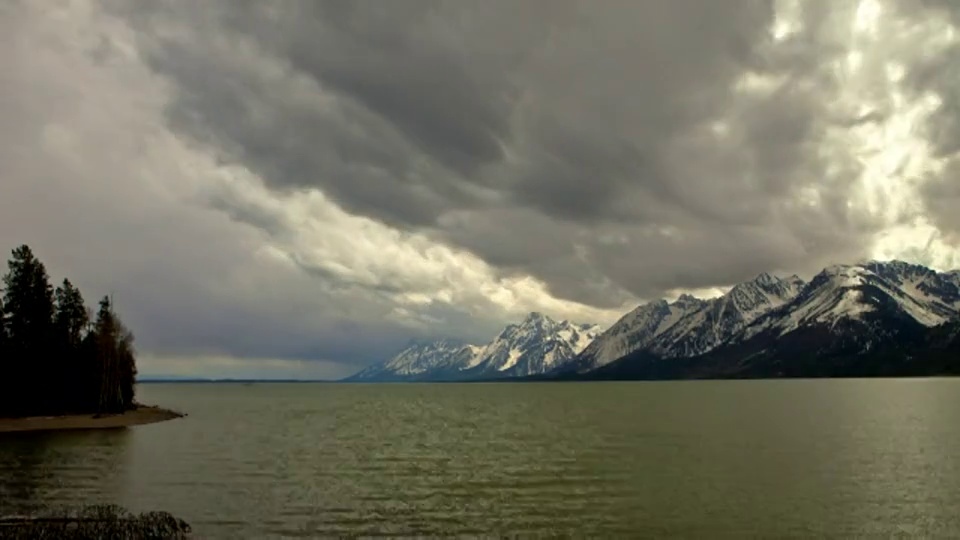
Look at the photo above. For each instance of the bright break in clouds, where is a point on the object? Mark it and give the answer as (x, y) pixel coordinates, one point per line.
(299, 188)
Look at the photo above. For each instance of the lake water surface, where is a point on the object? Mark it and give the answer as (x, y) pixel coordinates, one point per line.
(833, 458)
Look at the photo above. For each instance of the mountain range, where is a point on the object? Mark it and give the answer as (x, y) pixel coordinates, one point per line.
(875, 318)
(535, 346)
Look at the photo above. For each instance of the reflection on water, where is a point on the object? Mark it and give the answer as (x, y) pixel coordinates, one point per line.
(43, 468)
(747, 458)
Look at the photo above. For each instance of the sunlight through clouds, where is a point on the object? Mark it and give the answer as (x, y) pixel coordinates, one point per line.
(884, 133)
(896, 157)
(787, 19)
(314, 234)
(334, 172)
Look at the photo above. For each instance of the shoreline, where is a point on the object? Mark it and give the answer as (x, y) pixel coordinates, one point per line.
(143, 414)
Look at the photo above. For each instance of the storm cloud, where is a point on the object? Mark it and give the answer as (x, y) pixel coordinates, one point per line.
(324, 180)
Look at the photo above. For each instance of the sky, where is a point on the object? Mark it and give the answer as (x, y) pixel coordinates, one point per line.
(297, 189)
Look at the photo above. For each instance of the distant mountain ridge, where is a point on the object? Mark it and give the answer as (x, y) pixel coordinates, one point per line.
(536, 345)
(877, 317)
(688, 326)
(421, 361)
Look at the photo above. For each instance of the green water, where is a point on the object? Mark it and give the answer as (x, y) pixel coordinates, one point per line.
(835, 458)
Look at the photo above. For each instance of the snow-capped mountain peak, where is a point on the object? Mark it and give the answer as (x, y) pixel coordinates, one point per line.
(845, 307)
(720, 319)
(579, 336)
(689, 325)
(847, 275)
(850, 292)
(762, 293)
(533, 346)
(637, 330)
(418, 359)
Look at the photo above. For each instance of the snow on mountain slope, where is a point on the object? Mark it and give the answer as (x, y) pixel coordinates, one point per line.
(689, 326)
(940, 292)
(754, 297)
(578, 337)
(848, 292)
(870, 319)
(536, 345)
(856, 304)
(722, 318)
(635, 330)
(418, 360)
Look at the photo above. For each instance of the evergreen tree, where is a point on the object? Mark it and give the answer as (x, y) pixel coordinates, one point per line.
(28, 302)
(71, 318)
(105, 339)
(3, 330)
(52, 360)
(6, 367)
(3, 322)
(114, 360)
(70, 324)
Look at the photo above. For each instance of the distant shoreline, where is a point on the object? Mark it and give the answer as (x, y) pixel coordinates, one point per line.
(141, 415)
(232, 381)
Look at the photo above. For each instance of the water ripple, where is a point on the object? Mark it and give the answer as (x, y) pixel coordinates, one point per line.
(772, 459)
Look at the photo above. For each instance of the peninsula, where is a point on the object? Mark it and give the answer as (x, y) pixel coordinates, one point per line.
(61, 367)
(140, 415)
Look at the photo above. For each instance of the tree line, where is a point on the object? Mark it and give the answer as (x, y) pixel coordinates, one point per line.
(56, 357)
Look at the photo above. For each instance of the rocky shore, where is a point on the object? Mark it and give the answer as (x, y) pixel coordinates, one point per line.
(101, 522)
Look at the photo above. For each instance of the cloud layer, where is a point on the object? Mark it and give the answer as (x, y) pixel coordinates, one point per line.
(321, 181)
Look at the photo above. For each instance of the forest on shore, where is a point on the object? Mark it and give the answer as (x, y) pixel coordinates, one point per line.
(56, 356)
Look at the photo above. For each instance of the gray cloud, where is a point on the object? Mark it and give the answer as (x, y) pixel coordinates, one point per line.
(942, 200)
(615, 151)
(543, 126)
(938, 74)
(106, 196)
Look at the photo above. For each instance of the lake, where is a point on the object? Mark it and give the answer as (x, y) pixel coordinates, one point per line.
(713, 459)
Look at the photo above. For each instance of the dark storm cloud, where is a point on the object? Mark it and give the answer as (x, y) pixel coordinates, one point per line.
(348, 151)
(100, 189)
(387, 58)
(603, 148)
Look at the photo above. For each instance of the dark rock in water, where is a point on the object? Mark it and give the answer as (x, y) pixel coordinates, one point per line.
(101, 522)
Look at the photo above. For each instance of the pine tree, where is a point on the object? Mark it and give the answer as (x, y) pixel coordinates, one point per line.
(52, 360)
(3, 329)
(28, 301)
(105, 353)
(6, 375)
(71, 318)
(114, 361)
(70, 323)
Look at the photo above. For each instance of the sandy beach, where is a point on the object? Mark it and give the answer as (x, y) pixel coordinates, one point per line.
(139, 416)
